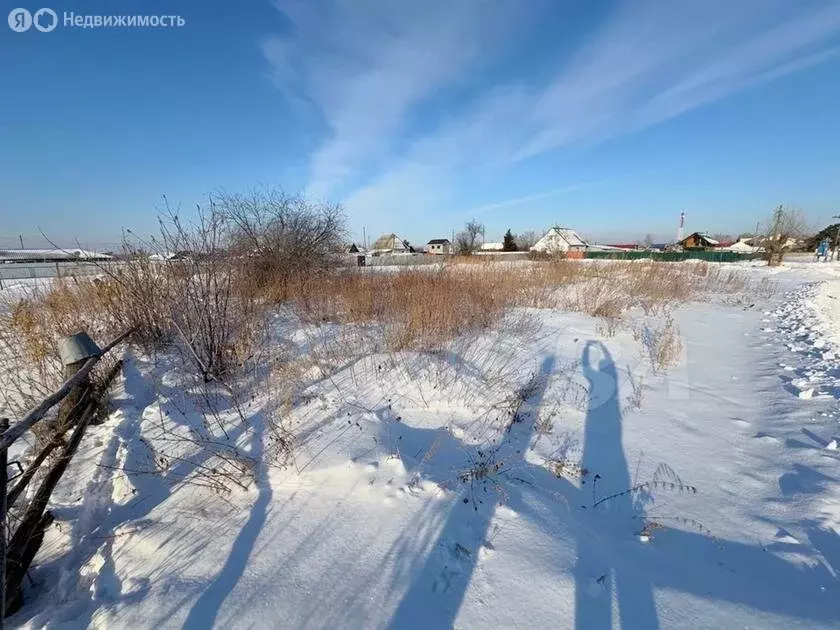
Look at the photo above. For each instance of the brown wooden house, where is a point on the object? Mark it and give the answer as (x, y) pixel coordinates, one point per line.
(699, 240)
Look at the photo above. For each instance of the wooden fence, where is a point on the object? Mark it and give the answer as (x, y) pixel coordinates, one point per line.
(18, 547)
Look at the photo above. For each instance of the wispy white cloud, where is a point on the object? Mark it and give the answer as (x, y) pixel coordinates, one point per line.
(364, 64)
(653, 61)
(525, 199)
(367, 66)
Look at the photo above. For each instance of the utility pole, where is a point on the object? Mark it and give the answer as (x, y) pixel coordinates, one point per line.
(20, 236)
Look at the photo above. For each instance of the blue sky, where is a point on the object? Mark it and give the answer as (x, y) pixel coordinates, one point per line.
(609, 117)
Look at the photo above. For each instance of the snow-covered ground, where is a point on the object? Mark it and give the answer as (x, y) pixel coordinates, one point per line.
(473, 490)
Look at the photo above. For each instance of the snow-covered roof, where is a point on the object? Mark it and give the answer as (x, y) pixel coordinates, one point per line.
(164, 256)
(571, 237)
(741, 247)
(492, 247)
(559, 239)
(705, 237)
(389, 243)
(50, 254)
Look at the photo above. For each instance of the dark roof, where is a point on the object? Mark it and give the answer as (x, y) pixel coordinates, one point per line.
(439, 241)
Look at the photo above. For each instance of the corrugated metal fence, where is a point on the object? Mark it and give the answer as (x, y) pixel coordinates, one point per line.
(708, 255)
(21, 271)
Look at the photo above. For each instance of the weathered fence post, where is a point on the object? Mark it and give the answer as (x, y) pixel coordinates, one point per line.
(18, 548)
(74, 351)
(4, 452)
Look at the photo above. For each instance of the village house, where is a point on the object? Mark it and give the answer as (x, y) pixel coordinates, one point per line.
(560, 240)
(742, 246)
(439, 246)
(390, 244)
(171, 256)
(698, 240)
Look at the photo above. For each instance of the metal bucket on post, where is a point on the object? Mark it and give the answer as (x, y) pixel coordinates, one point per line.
(74, 351)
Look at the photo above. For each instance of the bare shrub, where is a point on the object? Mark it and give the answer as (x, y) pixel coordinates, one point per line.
(664, 478)
(634, 400)
(29, 369)
(780, 232)
(136, 294)
(280, 238)
(214, 323)
(662, 344)
(526, 240)
(607, 326)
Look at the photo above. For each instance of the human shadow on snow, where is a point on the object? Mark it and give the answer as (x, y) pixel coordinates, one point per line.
(613, 570)
(447, 571)
(206, 608)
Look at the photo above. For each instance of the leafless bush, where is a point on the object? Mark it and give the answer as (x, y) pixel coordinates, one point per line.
(661, 343)
(780, 233)
(526, 240)
(214, 322)
(136, 294)
(664, 478)
(280, 238)
(633, 401)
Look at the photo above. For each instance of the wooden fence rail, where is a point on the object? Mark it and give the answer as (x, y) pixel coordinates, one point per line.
(18, 548)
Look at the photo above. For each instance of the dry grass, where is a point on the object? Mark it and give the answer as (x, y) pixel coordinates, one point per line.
(415, 309)
(440, 311)
(30, 328)
(422, 308)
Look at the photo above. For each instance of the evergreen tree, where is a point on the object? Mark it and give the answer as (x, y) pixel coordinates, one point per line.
(508, 245)
(831, 233)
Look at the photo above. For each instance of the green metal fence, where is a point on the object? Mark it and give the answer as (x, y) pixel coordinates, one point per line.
(708, 255)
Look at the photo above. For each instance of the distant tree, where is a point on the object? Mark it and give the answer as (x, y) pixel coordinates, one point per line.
(723, 238)
(469, 238)
(526, 240)
(462, 244)
(830, 232)
(780, 232)
(508, 244)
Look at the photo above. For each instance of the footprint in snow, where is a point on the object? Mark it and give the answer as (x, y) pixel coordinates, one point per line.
(451, 554)
(596, 585)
